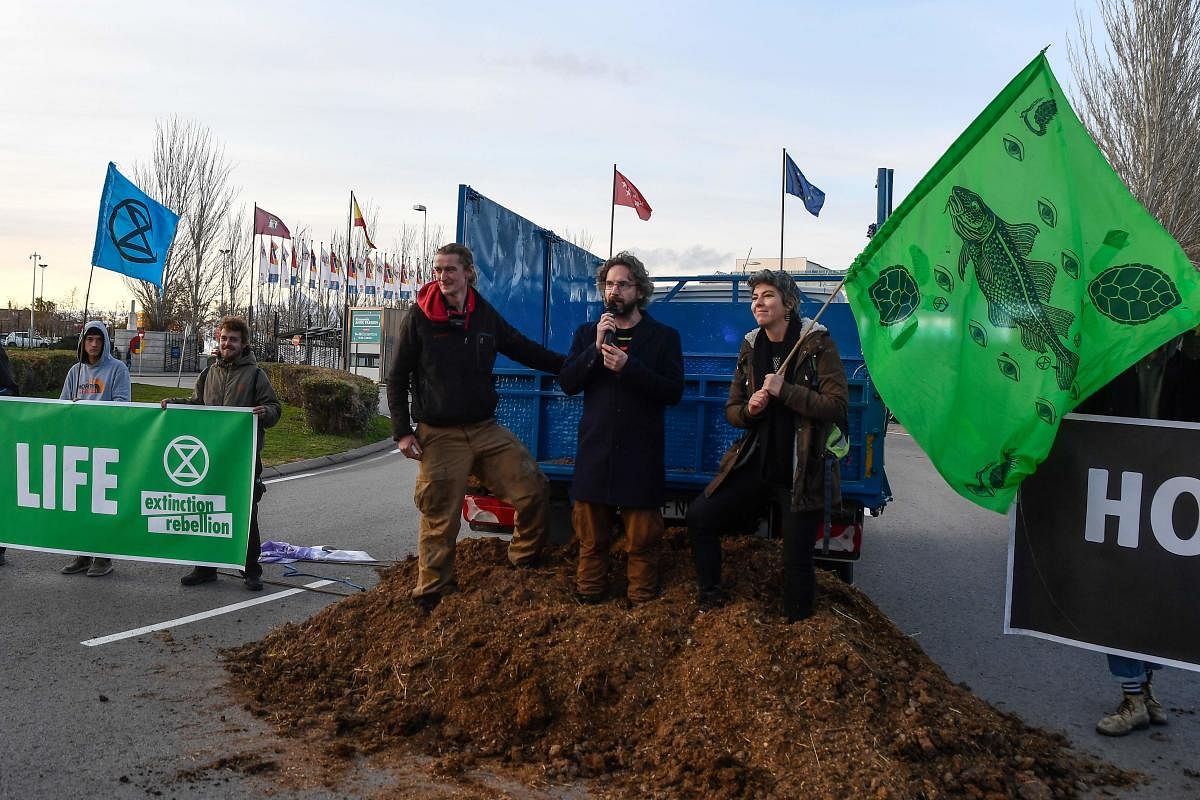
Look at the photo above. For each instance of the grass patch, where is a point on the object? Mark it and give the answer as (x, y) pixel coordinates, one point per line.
(290, 440)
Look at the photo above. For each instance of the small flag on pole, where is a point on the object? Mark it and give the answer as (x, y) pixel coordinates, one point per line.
(795, 183)
(626, 194)
(267, 224)
(133, 232)
(262, 262)
(359, 222)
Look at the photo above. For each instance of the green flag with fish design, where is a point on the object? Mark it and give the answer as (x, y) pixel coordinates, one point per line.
(1018, 277)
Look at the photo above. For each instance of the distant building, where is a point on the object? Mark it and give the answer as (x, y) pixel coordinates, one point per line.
(797, 266)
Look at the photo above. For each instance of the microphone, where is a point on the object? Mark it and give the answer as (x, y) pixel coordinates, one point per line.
(611, 308)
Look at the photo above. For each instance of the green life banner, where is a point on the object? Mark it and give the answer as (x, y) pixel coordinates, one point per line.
(1018, 277)
(127, 480)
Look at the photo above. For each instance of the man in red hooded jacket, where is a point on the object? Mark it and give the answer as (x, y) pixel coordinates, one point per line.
(444, 356)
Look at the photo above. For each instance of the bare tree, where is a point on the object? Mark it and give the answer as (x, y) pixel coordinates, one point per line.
(580, 238)
(188, 173)
(1140, 100)
(236, 267)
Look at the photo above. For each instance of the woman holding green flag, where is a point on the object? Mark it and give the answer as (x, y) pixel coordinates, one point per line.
(789, 403)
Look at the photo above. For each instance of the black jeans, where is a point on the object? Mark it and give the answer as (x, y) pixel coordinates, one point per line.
(254, 543)
(738, 501)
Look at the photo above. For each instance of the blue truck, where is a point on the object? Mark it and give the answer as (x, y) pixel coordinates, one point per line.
(545, 286)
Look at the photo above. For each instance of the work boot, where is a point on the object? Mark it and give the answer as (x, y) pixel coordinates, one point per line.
(427, 602)
(1154, 709)
(199, 575)
(100, 567)
(77, 565)
(1131, 715)
(712, 599)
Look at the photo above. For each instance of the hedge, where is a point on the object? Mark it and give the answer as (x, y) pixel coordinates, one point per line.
(333, 401)
(41, 370)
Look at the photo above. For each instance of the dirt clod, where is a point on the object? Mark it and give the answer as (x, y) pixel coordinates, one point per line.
(652, 700)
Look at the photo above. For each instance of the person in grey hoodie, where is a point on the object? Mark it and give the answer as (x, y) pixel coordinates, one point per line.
(97, 376)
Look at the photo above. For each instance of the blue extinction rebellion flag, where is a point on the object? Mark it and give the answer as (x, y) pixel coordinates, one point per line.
(133, 232)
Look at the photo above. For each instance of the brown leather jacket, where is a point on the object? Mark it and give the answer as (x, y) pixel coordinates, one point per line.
(817, 410)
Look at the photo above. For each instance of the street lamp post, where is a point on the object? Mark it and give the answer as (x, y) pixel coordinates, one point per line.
(424, 238)
(225, 279)
(42, 293)
(34, 258)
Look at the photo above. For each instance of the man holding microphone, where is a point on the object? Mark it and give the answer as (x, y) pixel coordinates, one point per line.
(630, 368)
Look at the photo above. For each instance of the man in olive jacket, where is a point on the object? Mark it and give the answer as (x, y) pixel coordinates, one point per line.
(444, 356)
(629, 367)
(235, 379)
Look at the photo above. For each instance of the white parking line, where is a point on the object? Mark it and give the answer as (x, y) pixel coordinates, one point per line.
(174, 623)
(330, 469)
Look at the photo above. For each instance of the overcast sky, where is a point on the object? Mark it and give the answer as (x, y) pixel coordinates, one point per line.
(529, 103)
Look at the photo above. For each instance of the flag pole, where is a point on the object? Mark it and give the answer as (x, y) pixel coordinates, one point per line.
(87, 295)
(804, 335)
(253, 272)
(346, 312)
(612, 215)
(782, 202)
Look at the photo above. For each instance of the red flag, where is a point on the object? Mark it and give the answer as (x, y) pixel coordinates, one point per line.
(268, 224)
(626, 194)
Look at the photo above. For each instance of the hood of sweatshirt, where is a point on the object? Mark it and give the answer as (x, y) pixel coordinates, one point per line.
(431, 300)
(106, 354)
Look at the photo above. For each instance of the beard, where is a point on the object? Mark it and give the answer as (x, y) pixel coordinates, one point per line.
(621, 308)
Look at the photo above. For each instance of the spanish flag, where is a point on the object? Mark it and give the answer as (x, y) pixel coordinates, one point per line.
(359, 222)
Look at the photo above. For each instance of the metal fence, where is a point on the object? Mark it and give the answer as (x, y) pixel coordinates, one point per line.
(177, 347)
(320, 347)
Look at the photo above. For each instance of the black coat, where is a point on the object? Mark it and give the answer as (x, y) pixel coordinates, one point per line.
(448, 369)
(619, 460)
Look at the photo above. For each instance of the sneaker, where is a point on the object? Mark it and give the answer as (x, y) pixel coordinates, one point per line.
(253, 583)
(1131, 715)
(1154, 709)
(199, 575)
(100, 567)
(77, 565)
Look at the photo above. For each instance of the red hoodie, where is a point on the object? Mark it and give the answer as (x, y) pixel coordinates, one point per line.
(431, 300)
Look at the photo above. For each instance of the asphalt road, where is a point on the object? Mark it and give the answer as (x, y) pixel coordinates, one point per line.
(148, 715)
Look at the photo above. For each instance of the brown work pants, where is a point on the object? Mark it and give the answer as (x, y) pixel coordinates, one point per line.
(493, 454)
(643, 533)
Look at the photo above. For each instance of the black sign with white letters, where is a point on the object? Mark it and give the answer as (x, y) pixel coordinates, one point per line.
(1105, 545)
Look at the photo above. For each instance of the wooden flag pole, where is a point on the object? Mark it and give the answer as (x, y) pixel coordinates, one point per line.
(804, 334)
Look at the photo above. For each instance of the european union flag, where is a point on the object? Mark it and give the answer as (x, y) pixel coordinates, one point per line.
(795, 183)
(133, 232)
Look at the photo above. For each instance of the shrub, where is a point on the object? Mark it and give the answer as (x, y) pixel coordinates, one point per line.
(286, 378)
(349, 407)
(334, 405)
(41, 370)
